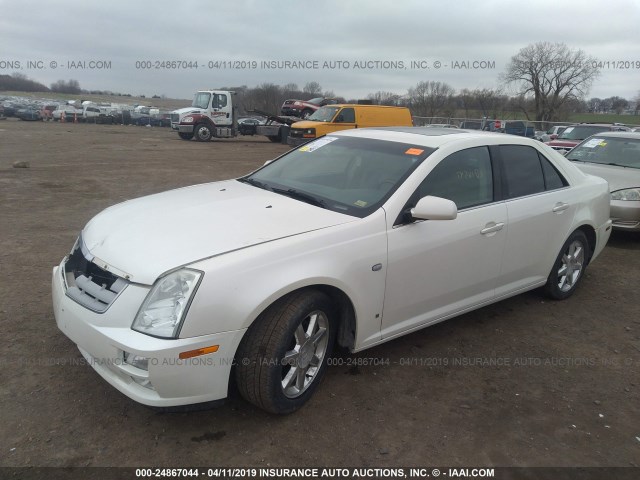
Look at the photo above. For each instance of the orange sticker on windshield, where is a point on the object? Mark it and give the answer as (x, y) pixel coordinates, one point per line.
(414, 151)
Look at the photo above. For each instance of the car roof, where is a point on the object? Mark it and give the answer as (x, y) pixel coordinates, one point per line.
(596, 125)
(631, 135)
(433, 137)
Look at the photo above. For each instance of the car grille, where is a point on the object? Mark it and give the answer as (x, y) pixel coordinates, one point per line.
(175, 118)
(88, 284)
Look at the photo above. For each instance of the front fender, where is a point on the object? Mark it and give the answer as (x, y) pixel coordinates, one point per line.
(238, 286)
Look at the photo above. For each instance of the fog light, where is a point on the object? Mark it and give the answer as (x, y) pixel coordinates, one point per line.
(143, 382)
(136, 361)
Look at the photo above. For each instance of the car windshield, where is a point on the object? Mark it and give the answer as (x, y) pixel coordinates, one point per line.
(324, 114)
(624, 152)
(354, 176)
(581, 132)
(316, 101)
(201, 100)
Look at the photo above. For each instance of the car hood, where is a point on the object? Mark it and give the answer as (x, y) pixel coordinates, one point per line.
(182, 111)
(307, 124)
(618, 177)
(143, 238)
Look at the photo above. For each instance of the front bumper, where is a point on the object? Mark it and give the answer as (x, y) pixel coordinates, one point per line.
(103, 338)
(626, 215)
(185, 128)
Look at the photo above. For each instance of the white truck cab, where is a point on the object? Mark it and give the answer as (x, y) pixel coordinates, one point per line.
(211, 107)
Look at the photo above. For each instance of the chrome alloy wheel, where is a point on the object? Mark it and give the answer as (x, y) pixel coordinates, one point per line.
(302, 361)
(571, 266)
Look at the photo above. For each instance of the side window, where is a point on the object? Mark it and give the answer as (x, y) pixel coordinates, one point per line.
(521, 171)
(465, 177)
(552, 178)
(346, 115)
(219, 101)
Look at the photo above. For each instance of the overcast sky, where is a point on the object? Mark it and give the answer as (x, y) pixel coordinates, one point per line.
(123, 32)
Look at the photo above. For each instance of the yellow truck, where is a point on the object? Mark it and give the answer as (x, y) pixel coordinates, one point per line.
(332, 118)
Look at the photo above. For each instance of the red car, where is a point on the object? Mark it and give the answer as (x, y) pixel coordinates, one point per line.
(574, 134)
(305, 108)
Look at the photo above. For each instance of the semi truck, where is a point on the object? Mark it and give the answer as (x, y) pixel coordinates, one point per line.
(212, 114)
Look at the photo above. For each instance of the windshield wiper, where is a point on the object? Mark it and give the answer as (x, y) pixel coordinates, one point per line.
(255, 183)
(305, 197)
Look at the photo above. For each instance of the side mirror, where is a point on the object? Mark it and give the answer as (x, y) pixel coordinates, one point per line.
(434, 208)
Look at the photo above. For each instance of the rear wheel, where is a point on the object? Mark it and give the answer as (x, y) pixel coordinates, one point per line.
(185, 136)
(568, 270)
(283, 356)
(203, 132)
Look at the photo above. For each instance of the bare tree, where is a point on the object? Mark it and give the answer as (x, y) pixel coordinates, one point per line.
(312, 88)
(430, 98)
(384, 98)
(491, 102)
(70, 86)
(594, 105)
(552, 73)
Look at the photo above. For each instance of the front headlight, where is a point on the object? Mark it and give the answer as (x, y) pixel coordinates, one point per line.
(630, 194)
(165, 307)
(187, 120)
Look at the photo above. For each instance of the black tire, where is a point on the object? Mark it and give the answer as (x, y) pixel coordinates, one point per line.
(185, 136)
(202, 132)
(274, 138)
(569, 267)
(270, 372)
(306, 113)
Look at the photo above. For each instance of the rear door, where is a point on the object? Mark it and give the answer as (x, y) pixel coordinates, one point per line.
(540, 210)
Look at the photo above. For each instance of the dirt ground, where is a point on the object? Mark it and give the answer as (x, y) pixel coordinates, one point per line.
(526, 382)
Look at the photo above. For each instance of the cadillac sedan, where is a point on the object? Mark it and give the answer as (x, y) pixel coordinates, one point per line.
(615, 156)
(353, 239)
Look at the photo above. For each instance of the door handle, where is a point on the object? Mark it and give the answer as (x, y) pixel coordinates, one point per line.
(491, 227)
(560, 207)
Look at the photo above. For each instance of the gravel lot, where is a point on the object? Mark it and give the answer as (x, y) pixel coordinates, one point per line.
(526, 382)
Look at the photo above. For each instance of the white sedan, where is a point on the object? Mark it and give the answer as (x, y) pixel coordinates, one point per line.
(354, 239)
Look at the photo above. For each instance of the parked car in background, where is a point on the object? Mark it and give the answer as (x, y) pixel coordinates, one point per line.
(70, 112)
(305, 108)
(615, 156)
(471, 124)
(354, 239)
(553, 133)
(517, 127)
(574, 134)
(30, 114)
(247, 126)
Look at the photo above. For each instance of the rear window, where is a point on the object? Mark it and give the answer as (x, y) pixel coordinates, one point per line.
(580, 132)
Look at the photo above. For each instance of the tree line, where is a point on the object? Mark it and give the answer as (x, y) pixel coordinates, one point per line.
(544, 81)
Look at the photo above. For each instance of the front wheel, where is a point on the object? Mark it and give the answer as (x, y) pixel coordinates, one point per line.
(203, 132)
(283, 356)
(569, 267)
(185, 136)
